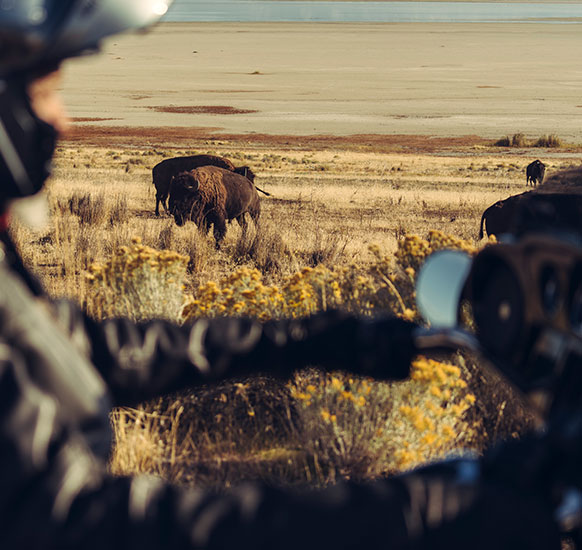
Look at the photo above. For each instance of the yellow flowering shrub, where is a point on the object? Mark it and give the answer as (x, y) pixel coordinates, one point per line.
(412, 250)
(340, 415)
(385, 285)
(352, 423)
(304, 293)
(240, 294)
(138, 282)
(365, 428)
(411, 253)
(432, 405)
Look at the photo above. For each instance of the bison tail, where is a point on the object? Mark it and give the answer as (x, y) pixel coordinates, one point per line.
(259, 189)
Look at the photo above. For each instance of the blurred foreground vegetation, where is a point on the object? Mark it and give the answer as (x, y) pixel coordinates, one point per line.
(317, 427)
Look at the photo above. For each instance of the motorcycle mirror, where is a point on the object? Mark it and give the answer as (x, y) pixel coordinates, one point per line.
(439, 286)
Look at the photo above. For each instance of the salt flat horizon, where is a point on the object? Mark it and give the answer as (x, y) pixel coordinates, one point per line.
(306, 79)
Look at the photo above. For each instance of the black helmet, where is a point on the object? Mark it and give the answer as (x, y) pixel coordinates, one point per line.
(35, 35)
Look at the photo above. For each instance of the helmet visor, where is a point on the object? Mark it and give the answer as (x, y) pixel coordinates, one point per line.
(33, 32)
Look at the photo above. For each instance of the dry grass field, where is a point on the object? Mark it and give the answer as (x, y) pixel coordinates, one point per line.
(327, 204)
(335, 204)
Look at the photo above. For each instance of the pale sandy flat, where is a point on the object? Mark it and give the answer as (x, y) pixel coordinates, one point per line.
(310, 78)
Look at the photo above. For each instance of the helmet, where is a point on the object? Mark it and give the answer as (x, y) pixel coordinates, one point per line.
(35, 35)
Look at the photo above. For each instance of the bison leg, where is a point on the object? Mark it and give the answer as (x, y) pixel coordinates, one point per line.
(219, 231)
(163, 200)
(242, 221)
(204, 226)
(255, 213)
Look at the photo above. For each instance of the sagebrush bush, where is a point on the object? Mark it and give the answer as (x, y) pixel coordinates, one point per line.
(119, 211)
(138, 282)
(548, 141)
(90, 208)
(364, 428)
(265, 249)
(505, 141)
(385, 285)
(519, 140)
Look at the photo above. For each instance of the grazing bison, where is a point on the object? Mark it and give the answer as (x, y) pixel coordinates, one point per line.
(163, 172)
(534, 173)
(211, 195)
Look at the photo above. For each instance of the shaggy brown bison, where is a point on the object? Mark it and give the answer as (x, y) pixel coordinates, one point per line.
(212, 195)
(163, 172)
(534, 173)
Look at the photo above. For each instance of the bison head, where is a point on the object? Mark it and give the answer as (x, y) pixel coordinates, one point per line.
(183, 197)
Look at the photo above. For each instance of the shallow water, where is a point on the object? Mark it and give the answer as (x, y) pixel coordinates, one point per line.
(381, 12)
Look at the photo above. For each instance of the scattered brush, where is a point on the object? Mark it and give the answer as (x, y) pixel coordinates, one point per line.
(119, 211)
(519, 140)
(266, 250)
(89, 208)
(550, 141)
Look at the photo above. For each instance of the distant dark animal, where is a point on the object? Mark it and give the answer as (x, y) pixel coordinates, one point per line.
(534, 173)
(163, 172)
(211, 195)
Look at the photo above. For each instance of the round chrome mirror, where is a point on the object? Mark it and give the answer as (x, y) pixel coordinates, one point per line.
(439, 286)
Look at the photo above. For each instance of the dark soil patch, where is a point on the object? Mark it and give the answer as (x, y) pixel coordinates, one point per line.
(90, 119)
(203, 109)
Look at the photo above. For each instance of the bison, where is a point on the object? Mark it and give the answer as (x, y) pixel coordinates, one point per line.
(534, 173)
(163, 172)
(210, 195)
(500, 217)
(557, 210)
